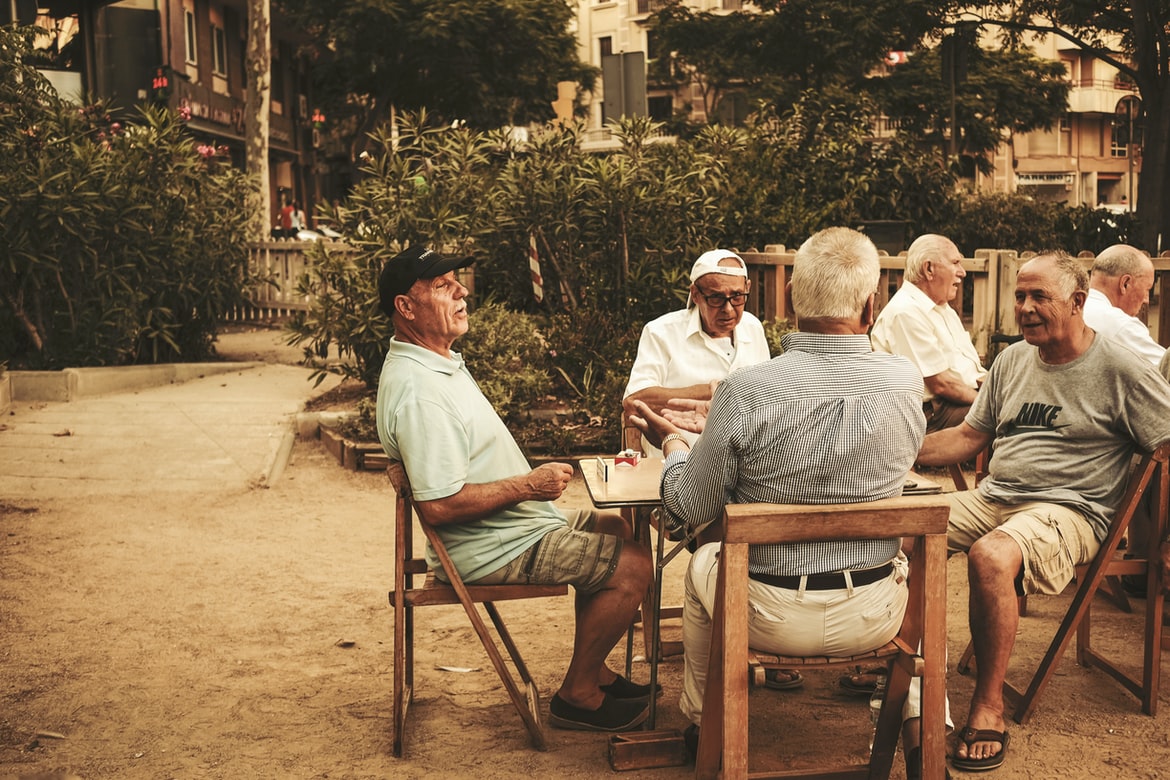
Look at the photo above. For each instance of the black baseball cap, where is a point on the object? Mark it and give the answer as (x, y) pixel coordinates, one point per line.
(407, 267)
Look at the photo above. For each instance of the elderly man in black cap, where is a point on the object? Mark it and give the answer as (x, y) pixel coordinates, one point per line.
(493, 511)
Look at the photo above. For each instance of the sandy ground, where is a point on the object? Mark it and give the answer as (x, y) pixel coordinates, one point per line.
(248, 634)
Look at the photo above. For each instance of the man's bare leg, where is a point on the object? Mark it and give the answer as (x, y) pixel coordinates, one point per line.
(602, 619)
(992, 565)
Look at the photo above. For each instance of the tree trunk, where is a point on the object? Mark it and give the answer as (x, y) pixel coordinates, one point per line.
(1154, 184)
(259, 89)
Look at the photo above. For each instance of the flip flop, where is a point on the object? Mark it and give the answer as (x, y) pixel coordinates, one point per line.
(791, 679)
(971, 736)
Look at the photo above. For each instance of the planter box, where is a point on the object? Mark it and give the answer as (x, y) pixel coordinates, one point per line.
(356, 456)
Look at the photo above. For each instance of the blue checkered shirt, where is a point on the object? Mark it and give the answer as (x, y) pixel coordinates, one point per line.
(828, 421)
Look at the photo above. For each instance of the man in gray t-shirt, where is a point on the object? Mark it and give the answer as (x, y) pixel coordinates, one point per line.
(1066, 411)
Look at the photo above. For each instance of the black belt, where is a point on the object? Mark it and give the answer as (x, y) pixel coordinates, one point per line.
(828, 581)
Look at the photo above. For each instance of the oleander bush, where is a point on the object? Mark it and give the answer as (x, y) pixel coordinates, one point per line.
(119, 244)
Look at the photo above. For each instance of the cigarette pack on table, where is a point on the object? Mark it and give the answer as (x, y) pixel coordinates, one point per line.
(627, 458)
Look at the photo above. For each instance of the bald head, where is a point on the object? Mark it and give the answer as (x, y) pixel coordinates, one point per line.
(1124, 275)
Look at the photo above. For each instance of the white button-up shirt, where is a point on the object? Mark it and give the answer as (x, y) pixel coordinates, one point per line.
(930, 334)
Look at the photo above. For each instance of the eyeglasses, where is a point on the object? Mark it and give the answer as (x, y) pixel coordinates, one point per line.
(736, 299)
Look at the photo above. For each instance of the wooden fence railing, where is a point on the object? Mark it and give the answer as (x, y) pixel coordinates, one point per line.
(985, 302)
(279, 264)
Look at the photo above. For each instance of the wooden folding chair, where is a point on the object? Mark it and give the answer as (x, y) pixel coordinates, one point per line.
(1150, 474)
(724, 729)
(407, 595)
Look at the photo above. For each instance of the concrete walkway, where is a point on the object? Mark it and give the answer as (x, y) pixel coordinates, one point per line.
(230, 429)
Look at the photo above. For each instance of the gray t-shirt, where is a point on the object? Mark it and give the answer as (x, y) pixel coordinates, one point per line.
(1066, 433)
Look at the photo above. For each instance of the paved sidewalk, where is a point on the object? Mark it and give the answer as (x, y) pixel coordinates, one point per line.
(215, 433)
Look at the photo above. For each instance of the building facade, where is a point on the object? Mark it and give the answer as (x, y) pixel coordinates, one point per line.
(189, 56)
(1092, 156)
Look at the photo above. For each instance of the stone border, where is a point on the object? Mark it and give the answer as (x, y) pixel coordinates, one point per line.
(72, 384)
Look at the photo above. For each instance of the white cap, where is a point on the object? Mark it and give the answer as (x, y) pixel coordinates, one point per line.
(708, 263)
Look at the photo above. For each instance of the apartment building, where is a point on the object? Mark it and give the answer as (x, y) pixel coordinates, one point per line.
(1091, 157)
(188, 55)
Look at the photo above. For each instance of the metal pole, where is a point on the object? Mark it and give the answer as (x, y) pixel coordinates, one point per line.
(1131, 111)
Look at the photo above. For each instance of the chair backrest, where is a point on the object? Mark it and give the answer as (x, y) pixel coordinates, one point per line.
(406, 563)
(788, 523)
(921, 640)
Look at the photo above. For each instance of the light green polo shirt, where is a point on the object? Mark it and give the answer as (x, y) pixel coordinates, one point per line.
(432, 416)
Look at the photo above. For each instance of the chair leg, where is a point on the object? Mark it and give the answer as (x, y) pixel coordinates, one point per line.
(527, 704)
(403, 670)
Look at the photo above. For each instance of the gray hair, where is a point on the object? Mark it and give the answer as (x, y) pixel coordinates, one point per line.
(1121, 259)
(833, 274)
(1071, 273)
(929, 246)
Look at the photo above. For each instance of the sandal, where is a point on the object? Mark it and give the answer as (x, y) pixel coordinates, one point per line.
(783, 679)
(862, 682)
(970, 736)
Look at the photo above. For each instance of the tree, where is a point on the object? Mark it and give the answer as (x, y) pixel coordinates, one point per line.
(256, 117)
(1143, 29)
(706, 49)
(488, 63)
(1009, 90)
(793, 45)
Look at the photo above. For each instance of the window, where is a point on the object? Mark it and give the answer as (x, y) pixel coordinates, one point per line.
(1119, 143)
(218, 51)
(660, 107)
(191, 40)
(606, 45)
(653, 45)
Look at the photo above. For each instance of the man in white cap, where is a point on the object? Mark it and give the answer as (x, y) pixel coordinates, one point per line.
(685, 353)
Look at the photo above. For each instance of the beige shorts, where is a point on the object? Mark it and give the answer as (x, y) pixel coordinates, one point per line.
(576, 555)
(1054, 539)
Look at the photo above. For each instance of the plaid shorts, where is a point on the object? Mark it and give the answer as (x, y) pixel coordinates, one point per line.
(575, 555)
(1053, 538)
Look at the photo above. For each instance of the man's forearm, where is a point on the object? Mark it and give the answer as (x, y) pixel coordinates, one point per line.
(953, 445)
(477, 501)
(657, 397)
(950, 387)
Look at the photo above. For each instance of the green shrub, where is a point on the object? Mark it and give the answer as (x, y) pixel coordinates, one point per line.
(118, 244)
(508, 357)
(774, 331)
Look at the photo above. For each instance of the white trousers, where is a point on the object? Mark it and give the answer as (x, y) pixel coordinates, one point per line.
(787, 622)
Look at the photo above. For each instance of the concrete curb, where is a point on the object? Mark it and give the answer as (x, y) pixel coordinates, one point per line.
(72, 384)
(279, 460)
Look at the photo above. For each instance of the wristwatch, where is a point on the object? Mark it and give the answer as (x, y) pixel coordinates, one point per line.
(674, 437)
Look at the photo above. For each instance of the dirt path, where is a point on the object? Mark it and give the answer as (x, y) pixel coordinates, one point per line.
(248, 635)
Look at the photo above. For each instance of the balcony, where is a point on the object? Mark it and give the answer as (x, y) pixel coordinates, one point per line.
(1098, 97)
(644, 7)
